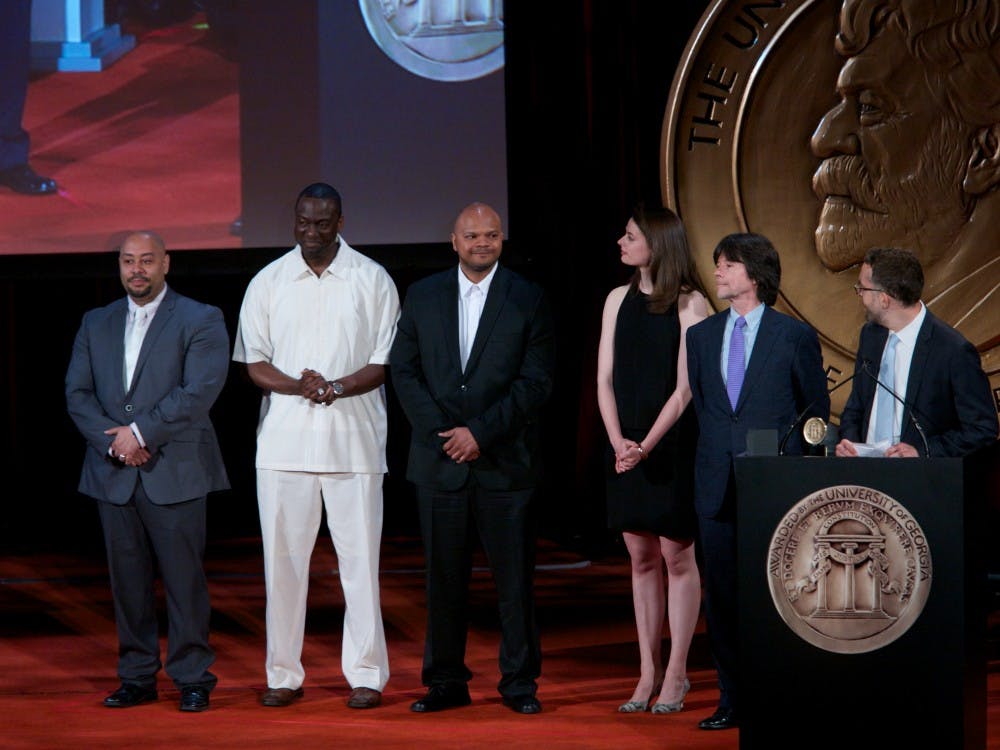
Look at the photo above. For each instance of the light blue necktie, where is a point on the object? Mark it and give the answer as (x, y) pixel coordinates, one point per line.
(735, 366)
(885, 416)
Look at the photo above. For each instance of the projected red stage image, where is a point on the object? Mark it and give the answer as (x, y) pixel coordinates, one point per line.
(153, 141)
(206, 135)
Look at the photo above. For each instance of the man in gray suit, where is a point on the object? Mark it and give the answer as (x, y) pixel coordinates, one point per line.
(144, 373)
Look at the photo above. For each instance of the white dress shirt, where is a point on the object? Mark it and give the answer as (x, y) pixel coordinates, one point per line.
(907, 336)
(136, 325)
(334, 323)
(471, 299)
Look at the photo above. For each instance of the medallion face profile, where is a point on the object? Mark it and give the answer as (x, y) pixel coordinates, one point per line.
(849, 569)
(443, 40)
(836, 126)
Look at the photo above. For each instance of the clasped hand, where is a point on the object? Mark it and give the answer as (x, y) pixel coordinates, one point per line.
(125, 447)
(459, 444)
(315, 387)
(627, 456)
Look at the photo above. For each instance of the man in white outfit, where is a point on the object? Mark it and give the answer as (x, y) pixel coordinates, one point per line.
(315, 331)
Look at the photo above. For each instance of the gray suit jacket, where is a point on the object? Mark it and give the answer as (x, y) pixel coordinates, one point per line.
(180, 371)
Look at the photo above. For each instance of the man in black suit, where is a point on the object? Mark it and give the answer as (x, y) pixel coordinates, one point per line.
(472, 365)
(749, 367)
(144, 373)
(935, 375)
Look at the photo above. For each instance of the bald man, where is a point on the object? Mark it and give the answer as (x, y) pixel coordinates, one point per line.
(472, 364)
(144, 373)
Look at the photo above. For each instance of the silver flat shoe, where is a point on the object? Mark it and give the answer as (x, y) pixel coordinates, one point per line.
(672, 708)
(638, 707)
(633, 707)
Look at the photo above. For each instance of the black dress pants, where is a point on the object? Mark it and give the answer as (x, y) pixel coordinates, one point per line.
(15, 58)
(503, 519)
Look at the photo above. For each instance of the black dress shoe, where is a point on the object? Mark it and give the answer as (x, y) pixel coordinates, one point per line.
(194, 698)
(23, 179)
(523, 704)
(129, 695)
(440, 697)
(723, 718)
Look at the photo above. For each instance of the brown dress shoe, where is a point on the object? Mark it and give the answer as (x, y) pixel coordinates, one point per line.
(362, 697)
(279, 697)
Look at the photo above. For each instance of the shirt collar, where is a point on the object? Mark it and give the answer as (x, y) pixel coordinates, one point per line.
(752, 318)
(150, 307)
(465, 285)
(908, 333)
(337, 267)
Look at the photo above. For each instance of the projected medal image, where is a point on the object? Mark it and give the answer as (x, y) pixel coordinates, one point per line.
(444, 40)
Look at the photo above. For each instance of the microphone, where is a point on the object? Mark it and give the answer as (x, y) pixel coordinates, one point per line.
(794, 424)
(907, 408)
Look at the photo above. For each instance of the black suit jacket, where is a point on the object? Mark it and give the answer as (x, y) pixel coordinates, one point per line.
(498, 397)
(947, 391)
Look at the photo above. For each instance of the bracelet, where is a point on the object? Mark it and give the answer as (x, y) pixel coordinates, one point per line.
(642, 452)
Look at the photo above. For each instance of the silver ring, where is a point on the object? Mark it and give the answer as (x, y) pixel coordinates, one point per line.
(321, 391)
(121, 456)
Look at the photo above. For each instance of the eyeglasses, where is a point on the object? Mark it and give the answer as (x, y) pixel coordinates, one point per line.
(858, 289)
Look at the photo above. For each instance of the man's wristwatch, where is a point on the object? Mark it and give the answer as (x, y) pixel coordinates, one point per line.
(337, 387)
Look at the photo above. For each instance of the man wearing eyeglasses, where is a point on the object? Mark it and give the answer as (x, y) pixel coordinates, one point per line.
(913, 374)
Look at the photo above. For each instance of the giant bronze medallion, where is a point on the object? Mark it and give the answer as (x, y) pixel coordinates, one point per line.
(832, 145)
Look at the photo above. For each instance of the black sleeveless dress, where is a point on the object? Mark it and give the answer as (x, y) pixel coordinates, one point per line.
(657, 495)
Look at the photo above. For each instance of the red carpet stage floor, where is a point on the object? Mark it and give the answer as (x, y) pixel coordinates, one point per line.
(57, 662)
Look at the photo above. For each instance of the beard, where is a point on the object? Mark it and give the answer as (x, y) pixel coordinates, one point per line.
(922, 210)
(140, 292)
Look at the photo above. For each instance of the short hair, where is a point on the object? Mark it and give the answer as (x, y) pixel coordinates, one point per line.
(898, 272)
(321, 191)
(956, 41)
(152, 236)
(670, 263)
(756, 252)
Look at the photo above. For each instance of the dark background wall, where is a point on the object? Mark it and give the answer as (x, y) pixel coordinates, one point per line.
(587, 84)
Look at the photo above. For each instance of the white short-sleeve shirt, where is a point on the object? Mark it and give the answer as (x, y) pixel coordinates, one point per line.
(335, 323)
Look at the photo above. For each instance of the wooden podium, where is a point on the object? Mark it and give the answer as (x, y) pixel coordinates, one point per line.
(925, 688)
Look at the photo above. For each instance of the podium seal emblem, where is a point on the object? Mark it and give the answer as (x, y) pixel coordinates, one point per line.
(849, 569)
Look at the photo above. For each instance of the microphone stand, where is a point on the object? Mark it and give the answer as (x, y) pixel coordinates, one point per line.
(794, 424)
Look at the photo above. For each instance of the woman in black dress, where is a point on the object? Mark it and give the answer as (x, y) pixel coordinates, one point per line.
(643, 394)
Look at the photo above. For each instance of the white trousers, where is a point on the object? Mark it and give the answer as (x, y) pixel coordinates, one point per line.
(290, 512)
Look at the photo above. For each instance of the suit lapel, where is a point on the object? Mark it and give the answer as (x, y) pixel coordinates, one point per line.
(762, 345)
(491, 311)
(163, 314)
(116, 335)
(918, 366)
(449, 318)
(713, 362)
